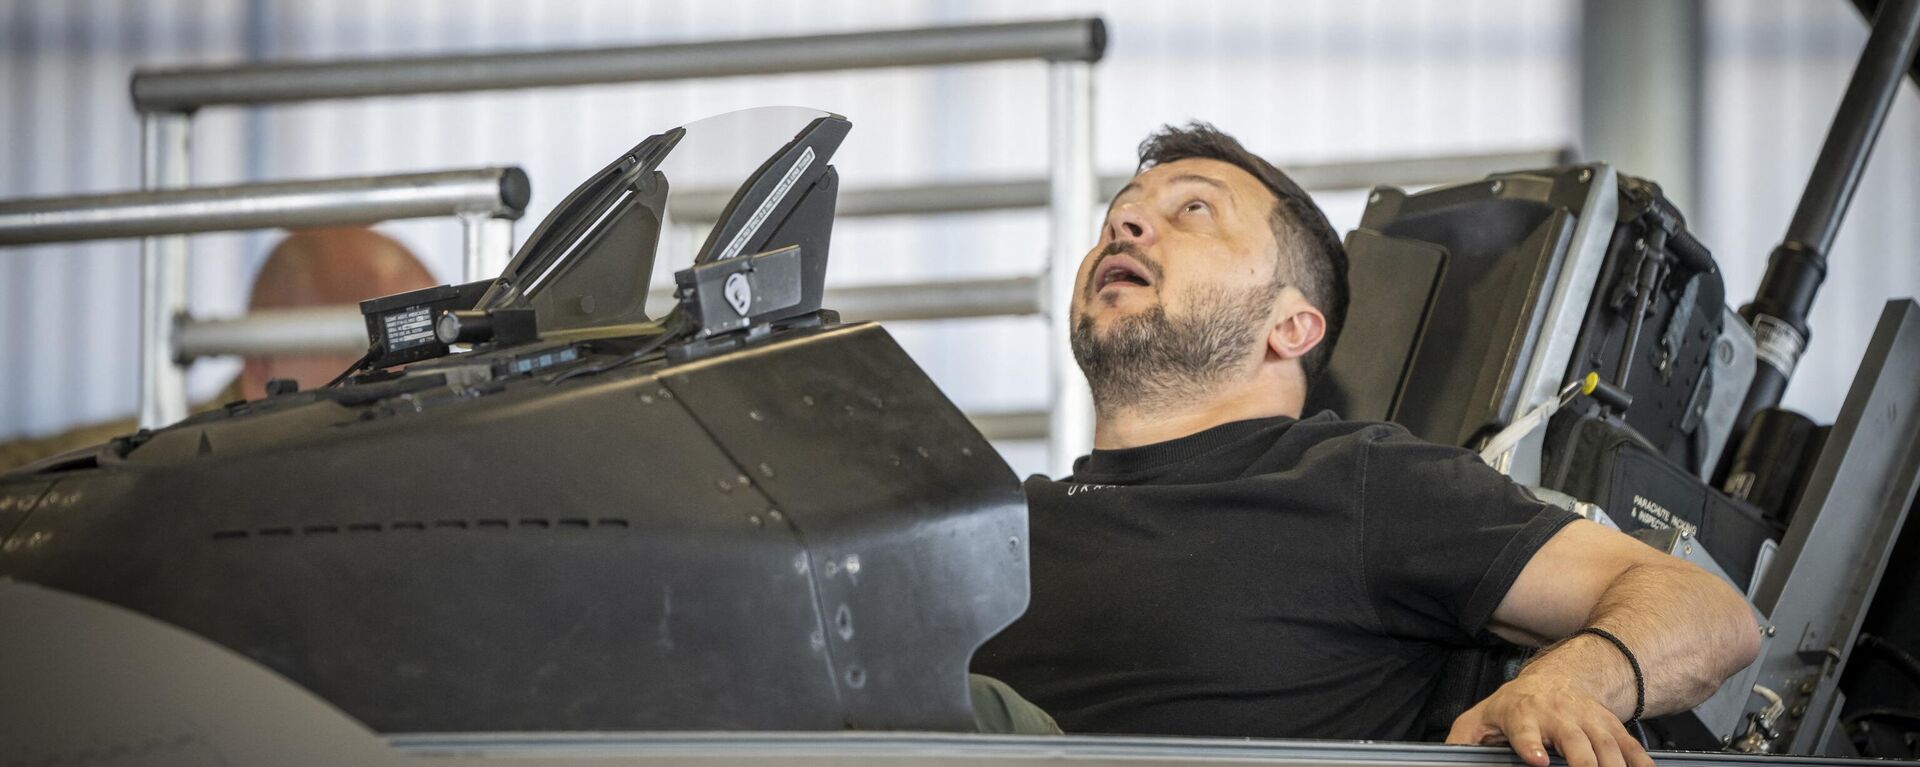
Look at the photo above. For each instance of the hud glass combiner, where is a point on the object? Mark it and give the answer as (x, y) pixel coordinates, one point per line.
(584, 273)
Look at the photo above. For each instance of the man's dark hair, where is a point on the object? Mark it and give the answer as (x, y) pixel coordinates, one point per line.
(1318, 263)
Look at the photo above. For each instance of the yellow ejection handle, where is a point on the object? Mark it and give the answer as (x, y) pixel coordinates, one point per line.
(1608, 395)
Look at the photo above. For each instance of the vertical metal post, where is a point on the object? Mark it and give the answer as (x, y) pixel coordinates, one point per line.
(496, 236)
(163, 274)
(486, 243)
(1072, 185)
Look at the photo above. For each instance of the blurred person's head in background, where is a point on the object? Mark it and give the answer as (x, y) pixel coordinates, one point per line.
(325, 267)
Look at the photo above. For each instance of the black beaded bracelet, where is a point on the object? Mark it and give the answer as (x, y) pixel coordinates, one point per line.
(1639, 680)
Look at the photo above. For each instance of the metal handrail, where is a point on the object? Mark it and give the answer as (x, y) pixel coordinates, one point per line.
(186, 89)
(308, 330)
(980, 196)
(490, 192)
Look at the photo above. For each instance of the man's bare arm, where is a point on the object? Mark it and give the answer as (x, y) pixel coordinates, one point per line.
(1688, 629)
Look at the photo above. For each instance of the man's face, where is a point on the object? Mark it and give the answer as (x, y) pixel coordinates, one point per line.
(1181, 284)
(1175, 233)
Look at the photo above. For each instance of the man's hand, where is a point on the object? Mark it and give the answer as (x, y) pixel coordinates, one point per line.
(1535, 712)
(1687, 629)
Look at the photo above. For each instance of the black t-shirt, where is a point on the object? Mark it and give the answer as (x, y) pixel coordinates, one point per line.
(1265, 578)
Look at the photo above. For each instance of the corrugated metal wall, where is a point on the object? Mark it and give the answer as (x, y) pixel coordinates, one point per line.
(1317, 80)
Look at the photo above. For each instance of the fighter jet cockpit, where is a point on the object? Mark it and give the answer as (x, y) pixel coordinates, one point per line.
(797, 530)
(554, 515)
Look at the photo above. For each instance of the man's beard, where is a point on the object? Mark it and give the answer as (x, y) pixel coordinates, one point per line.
(1150, 361)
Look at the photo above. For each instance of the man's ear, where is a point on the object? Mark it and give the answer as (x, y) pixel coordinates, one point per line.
(1299, 329)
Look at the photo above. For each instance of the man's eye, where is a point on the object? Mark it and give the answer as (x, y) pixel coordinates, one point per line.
(1195, 206)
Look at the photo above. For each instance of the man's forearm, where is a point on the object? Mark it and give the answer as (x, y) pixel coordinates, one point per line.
(1688, 630)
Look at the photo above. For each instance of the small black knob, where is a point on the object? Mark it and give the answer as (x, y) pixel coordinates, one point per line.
(1612, 397)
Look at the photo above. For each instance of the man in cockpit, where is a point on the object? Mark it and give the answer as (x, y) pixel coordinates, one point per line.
(1223, 564)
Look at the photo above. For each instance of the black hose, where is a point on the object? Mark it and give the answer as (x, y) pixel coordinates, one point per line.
(672, 328)
(357, 366)
(1910, 716)
(1892, 653)
(1691, 254)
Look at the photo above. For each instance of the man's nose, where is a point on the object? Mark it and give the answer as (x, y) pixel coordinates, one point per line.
(1129, 224)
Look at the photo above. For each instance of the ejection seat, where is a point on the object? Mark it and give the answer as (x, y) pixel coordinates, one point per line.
(1474, 303)
(1451, 291)
(1452, 294)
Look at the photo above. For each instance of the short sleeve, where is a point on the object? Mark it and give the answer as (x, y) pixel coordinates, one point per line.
(1444, 537)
